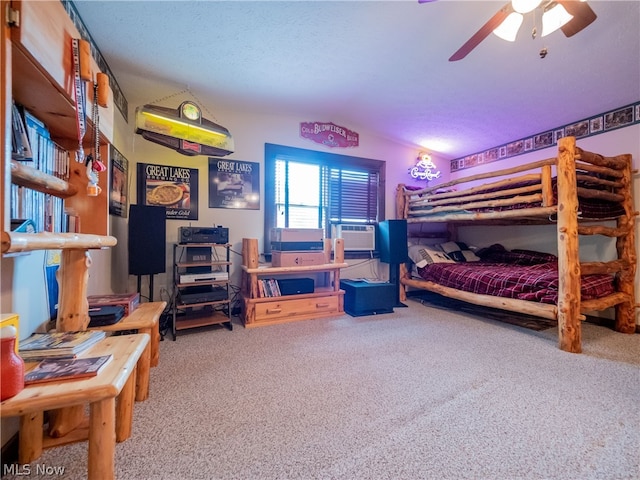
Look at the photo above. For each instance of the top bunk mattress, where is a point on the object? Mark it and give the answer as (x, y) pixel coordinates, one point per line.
(590, 206)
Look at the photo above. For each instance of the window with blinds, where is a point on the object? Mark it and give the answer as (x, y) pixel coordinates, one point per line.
(309, 189)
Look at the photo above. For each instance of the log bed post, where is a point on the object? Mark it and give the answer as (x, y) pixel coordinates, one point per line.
(401, 213)
(569, 326)
(625, 245)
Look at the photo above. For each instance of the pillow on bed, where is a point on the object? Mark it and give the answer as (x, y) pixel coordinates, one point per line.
(459, 252)
(423, 255)
(497, 253)
(534, 256)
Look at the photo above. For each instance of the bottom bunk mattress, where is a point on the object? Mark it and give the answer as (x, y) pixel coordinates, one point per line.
(536, 283)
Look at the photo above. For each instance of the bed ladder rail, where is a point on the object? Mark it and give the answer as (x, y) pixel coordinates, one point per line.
(602, 230)
(599, 304)
(604, 268)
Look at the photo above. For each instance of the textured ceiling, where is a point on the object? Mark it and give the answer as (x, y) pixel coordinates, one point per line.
(376, 65)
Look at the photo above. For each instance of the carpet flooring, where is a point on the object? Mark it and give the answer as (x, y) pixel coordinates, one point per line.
(421, 393)
(520, 319)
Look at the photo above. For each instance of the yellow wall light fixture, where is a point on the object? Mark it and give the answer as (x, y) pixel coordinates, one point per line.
(184, 130)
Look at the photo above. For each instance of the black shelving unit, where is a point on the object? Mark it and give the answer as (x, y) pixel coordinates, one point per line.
(201, 292)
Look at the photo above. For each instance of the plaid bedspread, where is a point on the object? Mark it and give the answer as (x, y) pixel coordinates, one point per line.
(537, 283)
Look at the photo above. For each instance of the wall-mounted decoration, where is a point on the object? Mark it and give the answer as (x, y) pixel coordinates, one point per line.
(119, 184)
(234, 184)
(329, 134)
(118, 96)
(183, 130)
(597, 124)
(175, 188)
(424, 168)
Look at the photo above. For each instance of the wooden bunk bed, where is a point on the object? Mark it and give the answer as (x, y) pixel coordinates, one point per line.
(582, 193)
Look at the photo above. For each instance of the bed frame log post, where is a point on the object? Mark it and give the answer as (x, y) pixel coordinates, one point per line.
(569, 326)
(625, 245)
(402, 206)
(401, 202)
(547, 186)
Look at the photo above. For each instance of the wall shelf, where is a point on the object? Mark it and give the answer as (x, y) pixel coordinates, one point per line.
(34, 179)
(13, 242)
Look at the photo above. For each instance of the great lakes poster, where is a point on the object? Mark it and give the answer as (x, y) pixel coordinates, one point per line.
(175, 188)
(234, 184)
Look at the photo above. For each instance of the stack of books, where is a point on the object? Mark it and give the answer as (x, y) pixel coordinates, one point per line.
(67, 345)
(32, 146)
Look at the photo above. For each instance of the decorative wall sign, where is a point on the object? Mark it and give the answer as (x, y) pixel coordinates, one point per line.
(119, 185)
(234, 184)
(424, 168)
(329, 134)
(604, 122)
(175, 188)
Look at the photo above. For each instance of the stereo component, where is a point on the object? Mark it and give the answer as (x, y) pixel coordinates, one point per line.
(204, 277)
(297, 259)
(296, 286)
(218, 235)
(296, 246)
(297, 235)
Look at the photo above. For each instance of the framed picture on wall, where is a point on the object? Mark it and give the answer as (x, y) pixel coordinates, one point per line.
(234, 184)
(175, 188)
(119, 184)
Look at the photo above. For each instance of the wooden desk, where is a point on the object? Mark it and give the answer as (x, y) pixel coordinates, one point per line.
(144, 319)
(108, 420)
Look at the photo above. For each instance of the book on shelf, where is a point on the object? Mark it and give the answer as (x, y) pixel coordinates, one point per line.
(20, 147)
(32, 145)
(57, 369)
(268, 287)
(22, 225)
(58, 344)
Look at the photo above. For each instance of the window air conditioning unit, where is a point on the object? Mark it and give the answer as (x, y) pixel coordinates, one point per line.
(357, 237)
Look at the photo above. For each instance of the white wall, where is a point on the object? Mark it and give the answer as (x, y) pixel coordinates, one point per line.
(250, 132)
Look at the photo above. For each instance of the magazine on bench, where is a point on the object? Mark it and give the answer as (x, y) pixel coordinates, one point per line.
(55, 369)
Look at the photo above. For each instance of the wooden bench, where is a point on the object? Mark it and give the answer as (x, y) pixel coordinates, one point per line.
(144, 319)
(110, 396)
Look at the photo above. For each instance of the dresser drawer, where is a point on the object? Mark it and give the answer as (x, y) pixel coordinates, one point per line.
(282, 308)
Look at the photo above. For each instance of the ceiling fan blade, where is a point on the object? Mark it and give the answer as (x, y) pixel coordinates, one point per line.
(483, 33)
(582, 13)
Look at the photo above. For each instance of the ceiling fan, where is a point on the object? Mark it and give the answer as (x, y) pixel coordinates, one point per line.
(569, 15)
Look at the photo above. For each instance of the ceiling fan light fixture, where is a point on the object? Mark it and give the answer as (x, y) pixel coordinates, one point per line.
(508, 29)
(524, 6)
(554, 18)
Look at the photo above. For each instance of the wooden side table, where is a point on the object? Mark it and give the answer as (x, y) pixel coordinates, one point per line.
(144, 319)
(109, 420)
